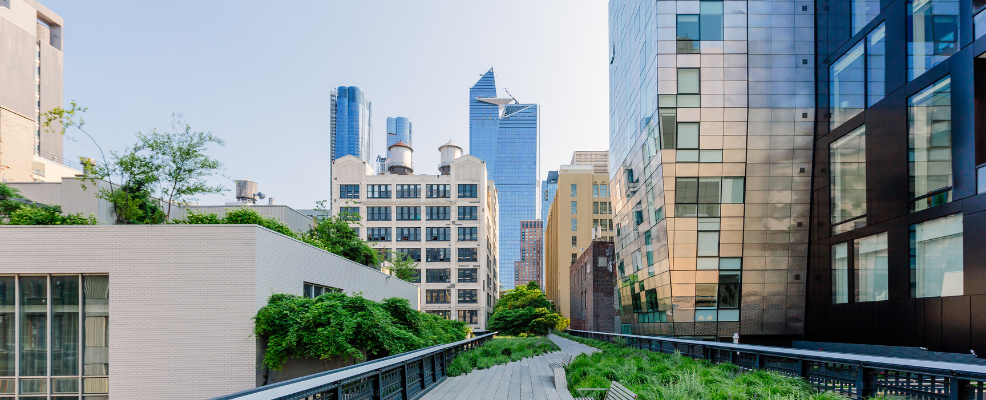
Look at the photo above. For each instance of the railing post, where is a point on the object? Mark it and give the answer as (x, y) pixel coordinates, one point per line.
(959, 389)
(404, 390)
(803, 369)
(378, 388)
(865, 381)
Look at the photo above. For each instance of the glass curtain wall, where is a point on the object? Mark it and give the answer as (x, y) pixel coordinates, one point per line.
(848, 166)
(840, 273)
(871, 261)
(936, 257)
(847, 85)
(863, 11)
(930, 145)
(62, 346)
(933, 34)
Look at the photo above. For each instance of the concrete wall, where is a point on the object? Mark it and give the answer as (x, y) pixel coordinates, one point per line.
(182, 296)
(16, 145)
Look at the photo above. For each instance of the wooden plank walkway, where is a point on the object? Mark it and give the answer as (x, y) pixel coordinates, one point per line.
(530, 378)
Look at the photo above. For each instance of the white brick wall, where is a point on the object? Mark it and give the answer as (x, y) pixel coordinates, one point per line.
(182, 296)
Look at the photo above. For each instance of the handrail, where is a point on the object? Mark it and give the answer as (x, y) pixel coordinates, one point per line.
(857, 376)
(406, 375)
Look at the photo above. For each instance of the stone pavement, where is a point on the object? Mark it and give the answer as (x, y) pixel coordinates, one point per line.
(530, 378)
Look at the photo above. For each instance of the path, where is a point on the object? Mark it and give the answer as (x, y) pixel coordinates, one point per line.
(530, 378)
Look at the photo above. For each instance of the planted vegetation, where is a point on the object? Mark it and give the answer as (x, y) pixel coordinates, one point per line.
(660, 376)
(500, 350)
(16, 210)
(525, 311)
(339, 325)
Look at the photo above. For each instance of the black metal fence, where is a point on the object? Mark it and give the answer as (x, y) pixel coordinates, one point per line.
(854, 376)
(403, 376)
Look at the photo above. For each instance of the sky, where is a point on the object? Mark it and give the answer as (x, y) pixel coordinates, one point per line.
(258, 74)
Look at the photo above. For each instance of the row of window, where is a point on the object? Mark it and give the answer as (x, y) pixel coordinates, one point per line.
(467, 316)
(413, 213)
(444, 296)
(701, 196)
(408, 191)
(437, 255)
(602, 207)
(312, 290)
(598, 190)
(936, 263)
(413, 234)
(444, 275)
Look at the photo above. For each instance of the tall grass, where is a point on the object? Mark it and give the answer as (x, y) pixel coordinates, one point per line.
(659, 376)
(500, 350)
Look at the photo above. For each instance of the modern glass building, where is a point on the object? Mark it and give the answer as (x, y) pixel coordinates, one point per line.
(548, 189)
(712, 107)
(351, 120)
(398, 130)
(504, 133)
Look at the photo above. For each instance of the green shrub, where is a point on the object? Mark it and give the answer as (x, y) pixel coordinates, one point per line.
(336, 324)
(241, 215)
(15, 210)
(525, 310)
(500, 350)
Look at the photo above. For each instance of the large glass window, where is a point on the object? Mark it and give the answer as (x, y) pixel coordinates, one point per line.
(438, 296)
(575, 224)
(847, 158)
(847, 86)
(876, 65)
(8, 324)
(468, 191)
(693, 28)
(443, 234)
(936, 257)
(933, 34)
(469, 316)
(438, 255)
(575, 207)
(34, 325)
(930, 145)
(863, 11)
(470, 213)
(348, 191)
(575, 190)
(407, 234)
(840, 273)
(378, 234)
(468, 255)
(708, 244)
(871, 268)
(378, 191)
(409, 213)
(408, 191)
(438, 191)
(443, 275)
(468, 234)
(438, 213)
(413, 254)
(378, 214)
(701, 196)
(467, 275)
(468, 296)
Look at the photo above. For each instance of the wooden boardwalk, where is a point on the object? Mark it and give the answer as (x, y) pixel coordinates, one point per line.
(530, 378)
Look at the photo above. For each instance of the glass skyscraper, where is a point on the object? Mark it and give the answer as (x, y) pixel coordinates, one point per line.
(398, 130)
(504, 134)
(352, 129)
(548, 189)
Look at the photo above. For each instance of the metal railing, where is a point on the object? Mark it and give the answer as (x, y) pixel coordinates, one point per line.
(854, 376)
(403, 376)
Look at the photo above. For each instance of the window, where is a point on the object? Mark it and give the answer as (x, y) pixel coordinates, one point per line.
(378, 234)
(447, 314)
(469, 316)
(438, 213)
(936, 257)
(468, 213)
(575, 224)
(600, 190)
(438, 191)
(312, 290)
(378, 191)
(378, 213)
(863, 11)
(414, 254)
(729, 289)
(468, 296)
(468, 234)
(840, 273)
(689, 85)
(575, 241)
(575, 190)
(668, 124)
(349, 213)
(438, 275)
(409, 213)
(601, 207)
(871, 268)
(408, 234)
(439, 234)
(408, 191)
(979, 24)
(876, 64)
(348, 191)
(438, 255)
(930, 145)
(467, 255)
(707, 25)
(575, 207)
(708, 244)
(700, 197)
(468, 275)
(933, 34)
(847, 86)
(468, 191)
(438, 296)
(575, 257)
(705, 294)
(847, 159)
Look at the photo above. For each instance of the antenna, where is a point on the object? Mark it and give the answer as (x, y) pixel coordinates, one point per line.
(511, 96)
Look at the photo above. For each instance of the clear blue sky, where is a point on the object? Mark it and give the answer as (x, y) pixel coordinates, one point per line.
(258, 74)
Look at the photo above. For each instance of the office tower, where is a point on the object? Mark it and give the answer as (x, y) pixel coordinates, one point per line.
(398, 130)
(504, 133)
(548, 188)
(31, 59)
(351, 120)
(579, 214)
(446, 222)
(598, 159)
(712, 110)
(529, 268)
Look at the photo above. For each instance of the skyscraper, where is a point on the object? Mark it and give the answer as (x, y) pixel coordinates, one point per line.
(529, 267)
(504, 133)
(352, 129)
(548, 189)
(398, 130)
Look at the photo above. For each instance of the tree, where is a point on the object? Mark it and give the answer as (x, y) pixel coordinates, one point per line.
(403, 267)
(522, 297)
(525, 309)
(333, 234)
(182, 167)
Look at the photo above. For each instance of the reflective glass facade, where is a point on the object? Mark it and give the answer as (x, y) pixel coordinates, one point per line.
(398, 130)
(505, 136)
(548, 189)
(351, 124)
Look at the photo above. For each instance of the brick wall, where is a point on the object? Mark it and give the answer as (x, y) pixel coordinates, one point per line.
(592, 292)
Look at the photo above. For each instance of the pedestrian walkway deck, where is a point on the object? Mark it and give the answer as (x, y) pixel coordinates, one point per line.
(530, 378)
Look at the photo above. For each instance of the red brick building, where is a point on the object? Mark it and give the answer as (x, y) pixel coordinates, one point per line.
(592, 291)
(529, 268)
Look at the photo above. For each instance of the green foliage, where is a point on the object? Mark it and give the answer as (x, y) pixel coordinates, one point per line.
(525, 310)
(8, 201)
(241, 215)
(671, 376)
(403, 267)
(497, 351)
(335, 324)
(333, 234)
(16, 210)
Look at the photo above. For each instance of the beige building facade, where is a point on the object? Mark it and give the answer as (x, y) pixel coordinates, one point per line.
(580, 213)
(446, 223)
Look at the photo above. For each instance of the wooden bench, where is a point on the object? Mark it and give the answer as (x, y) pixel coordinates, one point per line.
(616, 391)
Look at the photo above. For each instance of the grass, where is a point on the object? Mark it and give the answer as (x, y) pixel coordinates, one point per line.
(659, 376)
(500, 350)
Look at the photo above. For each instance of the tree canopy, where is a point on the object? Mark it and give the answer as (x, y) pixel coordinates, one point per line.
(525, 310)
